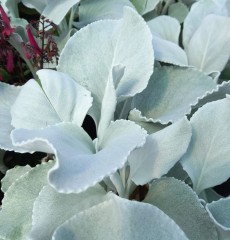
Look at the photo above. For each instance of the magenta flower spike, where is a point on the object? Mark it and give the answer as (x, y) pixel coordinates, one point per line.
(33, 43)
(8, 30)
(10, 61)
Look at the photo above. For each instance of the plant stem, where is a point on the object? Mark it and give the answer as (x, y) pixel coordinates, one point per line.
(17, 45)
(124, 111)
(43, 44)
(165, 8)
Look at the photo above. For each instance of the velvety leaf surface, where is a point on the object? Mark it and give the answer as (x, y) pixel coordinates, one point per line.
(165, 31)
(13, 175)
(196, 15)
(109, 100)
(91, 11)
(216, 94)
(92, 53)
(61, 207)
(169, 52)
(171, 92)
(38, 5)
(165, 27)
(160, 152)
(179, 202)
(8, 95)
(147, 124)
(54, 10)
(207, 158)
(58, 99)
(178, 10)
(145, 6)
(17, 205)
(121, 219)
(219, 212)
(87, 164)
(209, 48)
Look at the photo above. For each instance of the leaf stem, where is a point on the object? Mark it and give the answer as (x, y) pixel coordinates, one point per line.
(17, 45)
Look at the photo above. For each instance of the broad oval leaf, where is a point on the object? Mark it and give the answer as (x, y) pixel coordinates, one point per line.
(179, 202)
(13, 175)
(165, 27)
(17, 205)
(88, 164)
(8, 95)
(38, 5)
(160, 152)
(169, 52)
(91, 11)
(122, 219)
(147, 124)
(216, 94)
(196, 15)
(178, 10)
(207, 158)
(145, 6)
(58, 99)
(54, 10)
(209, 48)
(92, 53)
(171, 93)
(219, 212)
(61, 207)
(165, 31)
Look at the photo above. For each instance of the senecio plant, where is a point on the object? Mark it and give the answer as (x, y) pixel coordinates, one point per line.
(161, 108)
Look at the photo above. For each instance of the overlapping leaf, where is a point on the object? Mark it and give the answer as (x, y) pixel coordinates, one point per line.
(13, 175)
(178, 10)
(165, 27)
(61, 207)
(91, 11)
(165, 31)
(147, 124)
(219, 212)
(58, 99)
(207, 158)
(16, 213)
(209, 48)
(145, 6)
(121, 219)
(11, 7)
(160, 152)
(171, 92)
(8, 95)
(216, 94)
(180, 203)
(93, 53)
(196, 15)
(80, 164)
(54, 10)
(169, 52)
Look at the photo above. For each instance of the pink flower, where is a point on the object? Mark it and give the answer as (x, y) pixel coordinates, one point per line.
(10, 61)
(26, 51)
(8, 30)
(33, 43)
